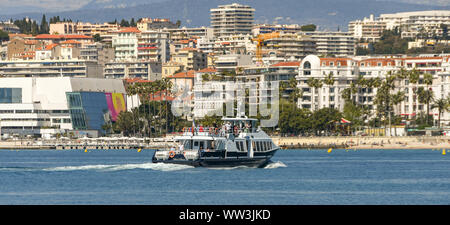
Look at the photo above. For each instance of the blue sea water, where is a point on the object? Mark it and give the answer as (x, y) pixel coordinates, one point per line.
(295, 177)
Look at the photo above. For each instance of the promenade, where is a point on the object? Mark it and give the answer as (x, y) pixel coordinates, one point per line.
(364, 142)
(409, 142)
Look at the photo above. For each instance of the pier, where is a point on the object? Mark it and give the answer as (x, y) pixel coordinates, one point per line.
(88, 143)
(360, 142)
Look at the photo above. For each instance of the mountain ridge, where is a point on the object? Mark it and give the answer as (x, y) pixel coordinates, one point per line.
(327, 14)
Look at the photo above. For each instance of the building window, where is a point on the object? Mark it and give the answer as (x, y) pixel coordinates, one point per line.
(10, 95)
(307, 68)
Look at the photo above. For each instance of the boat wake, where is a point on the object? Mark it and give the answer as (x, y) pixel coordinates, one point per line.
(270, 165)
(274, 165)
(121, 167)
(149, 166)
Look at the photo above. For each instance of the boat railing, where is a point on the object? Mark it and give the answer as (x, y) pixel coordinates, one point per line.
(214, 131)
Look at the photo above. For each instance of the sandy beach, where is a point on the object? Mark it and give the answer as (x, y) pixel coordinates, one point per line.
(410, 142)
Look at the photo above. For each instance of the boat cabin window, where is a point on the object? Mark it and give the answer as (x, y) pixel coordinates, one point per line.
(187, 144)
(220, 144)
(210, 144)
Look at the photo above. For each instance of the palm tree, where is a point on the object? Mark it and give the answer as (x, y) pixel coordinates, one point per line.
(314, 83)
(329, 79)
(413, 77)
(426, 96)
(397, 98)
(167, 87)
(131, 91)
(442, 105)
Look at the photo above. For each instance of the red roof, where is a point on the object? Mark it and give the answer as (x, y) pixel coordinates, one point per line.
(281, 64)
(188, 74)
(136, 80)
(161, 96)
(129, 30)
(143, 48)
(70, 42)
(48, 36)
(50, 46)
(76, 36)
(327, 61)
(58, 36)
(207, 70)
(188, 49)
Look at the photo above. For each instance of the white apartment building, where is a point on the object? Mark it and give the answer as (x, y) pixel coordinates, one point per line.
(126, 43)
(334, 43)
(147, 24)
(130, 44)
(232, 62)
(232, 19)
(92, 29)
(269, 28)
(347, 70)
(235, 44)
(36, 106)
(148, 70)
(177, 34)
(50, 68)
(153, 46)
(412, 24)
(63, 28)
(367, 29)
(291, 46)
(219, 97)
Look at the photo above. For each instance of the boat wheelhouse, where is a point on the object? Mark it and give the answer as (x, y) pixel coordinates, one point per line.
(237, 142)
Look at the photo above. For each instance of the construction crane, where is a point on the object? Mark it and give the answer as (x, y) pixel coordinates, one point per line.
(260, 42)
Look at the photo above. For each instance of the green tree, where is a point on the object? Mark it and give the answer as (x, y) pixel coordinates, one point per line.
(125, 123)
(308, 27)
(391, 43)
(324, 119)
(97, 38)
(425, 96)
(4, 36)
(44, 28)
(442, 105)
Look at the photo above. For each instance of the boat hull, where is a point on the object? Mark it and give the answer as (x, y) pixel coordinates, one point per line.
(259, 160)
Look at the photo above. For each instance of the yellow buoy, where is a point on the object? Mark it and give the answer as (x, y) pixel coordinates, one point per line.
(139, 150)
(329, 150)
(443, 152)
(85, 150)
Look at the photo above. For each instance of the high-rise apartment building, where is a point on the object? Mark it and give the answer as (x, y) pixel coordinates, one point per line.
(232, 19)
(333, 43)
(411, 24)
(368, 29)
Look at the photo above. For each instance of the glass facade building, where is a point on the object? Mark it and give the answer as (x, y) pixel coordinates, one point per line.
(10, 95)
(89, 110)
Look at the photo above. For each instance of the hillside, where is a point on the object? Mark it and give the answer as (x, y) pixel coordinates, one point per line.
(327, 14)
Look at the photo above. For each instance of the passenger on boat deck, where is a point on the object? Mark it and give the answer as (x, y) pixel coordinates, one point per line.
(172, 148)
(246, 129)
(200, 129)
(181, 147)
(228, 127)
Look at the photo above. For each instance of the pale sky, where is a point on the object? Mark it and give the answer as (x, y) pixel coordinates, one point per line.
(20, 6)
(51, 5)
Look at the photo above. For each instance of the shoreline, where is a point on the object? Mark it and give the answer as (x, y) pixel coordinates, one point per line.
(299, 143)
(364, 142)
